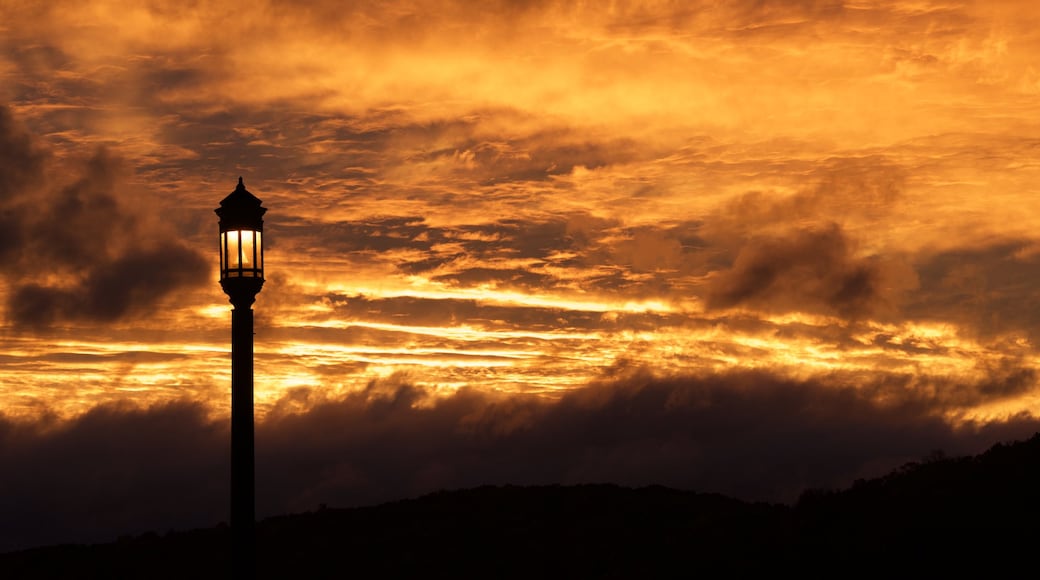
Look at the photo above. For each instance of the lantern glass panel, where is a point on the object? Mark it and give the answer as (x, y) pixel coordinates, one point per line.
(241, 254)
(246, 259)
(234, 262)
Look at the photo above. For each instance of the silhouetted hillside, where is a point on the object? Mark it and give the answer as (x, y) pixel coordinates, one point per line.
(939, 515)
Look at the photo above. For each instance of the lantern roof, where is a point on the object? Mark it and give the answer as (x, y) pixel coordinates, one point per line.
(241, 208)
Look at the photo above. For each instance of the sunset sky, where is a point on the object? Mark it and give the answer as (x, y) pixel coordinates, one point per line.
(749, 247)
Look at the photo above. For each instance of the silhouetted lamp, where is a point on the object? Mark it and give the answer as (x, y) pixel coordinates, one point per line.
(241, 244)
(242, 277)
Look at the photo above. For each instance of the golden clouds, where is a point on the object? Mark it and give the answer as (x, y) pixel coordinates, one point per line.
(518, 196)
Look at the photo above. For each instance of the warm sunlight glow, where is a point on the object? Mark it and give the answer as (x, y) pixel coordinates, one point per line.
(840, 195)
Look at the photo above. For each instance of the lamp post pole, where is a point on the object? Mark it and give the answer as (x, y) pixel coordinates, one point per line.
(242, 277)
(243, 472)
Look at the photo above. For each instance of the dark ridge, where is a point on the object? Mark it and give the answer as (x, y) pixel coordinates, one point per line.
(940, 515)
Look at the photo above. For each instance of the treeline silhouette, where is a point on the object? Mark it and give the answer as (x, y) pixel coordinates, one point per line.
(941, 515)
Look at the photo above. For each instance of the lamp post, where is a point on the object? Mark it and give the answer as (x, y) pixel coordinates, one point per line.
(241, 277)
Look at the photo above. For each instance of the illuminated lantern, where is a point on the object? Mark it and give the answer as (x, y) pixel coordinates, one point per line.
(241, 244)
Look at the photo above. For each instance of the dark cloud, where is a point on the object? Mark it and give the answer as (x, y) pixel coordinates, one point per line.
(467, 153)
(72, 249)
(37, 60)
(173, 74)
(129, 284)
(44, 73)
(21, 166)
(986, 290)
(750, 435)
(21, 160)
(112, 471)
(537, 254)
(440, 247)
(812, 270)
(1003, 380)
(463, 151)
(840, 189)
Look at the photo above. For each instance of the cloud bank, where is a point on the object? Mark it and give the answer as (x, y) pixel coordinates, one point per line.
(122, 470)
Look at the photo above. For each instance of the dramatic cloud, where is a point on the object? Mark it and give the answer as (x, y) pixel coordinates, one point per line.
(810, 270)
(749, 435)
(986, 289)
(22, 161)
(72, 251)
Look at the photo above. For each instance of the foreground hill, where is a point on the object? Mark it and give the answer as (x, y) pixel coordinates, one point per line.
(938, 516)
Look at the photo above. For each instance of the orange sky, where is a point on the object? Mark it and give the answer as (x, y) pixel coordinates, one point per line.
(523, 198)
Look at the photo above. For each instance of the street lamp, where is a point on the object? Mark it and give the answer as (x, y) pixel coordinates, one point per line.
(242, 277)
